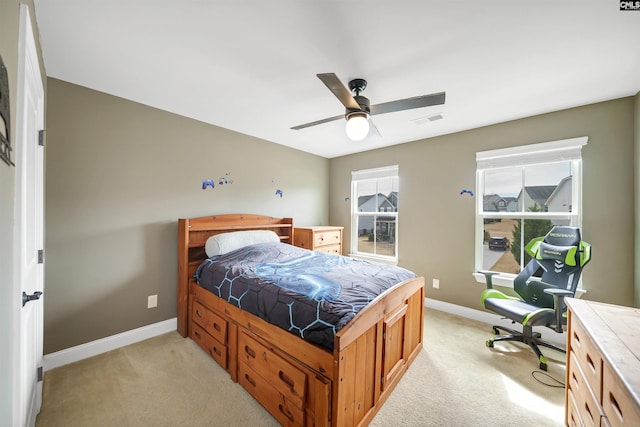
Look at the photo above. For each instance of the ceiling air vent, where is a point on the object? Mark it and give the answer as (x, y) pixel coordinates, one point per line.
(428, 119)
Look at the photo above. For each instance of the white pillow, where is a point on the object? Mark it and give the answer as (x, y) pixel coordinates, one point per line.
(227, 242)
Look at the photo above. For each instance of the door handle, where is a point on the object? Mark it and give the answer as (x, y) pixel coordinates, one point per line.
(26, 298)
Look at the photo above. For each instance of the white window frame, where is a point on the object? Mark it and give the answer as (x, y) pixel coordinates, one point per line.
(526, 155)
(369, 175)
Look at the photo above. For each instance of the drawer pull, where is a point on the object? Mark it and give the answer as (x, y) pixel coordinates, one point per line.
(285, 412)
(249, 351)
(616, 407)
(217, 327)
(198, 313)
(591, 364)
(197, 334)
(576, 336)
(250, 380)
(285, 379)
(216, 351)
(586, 406)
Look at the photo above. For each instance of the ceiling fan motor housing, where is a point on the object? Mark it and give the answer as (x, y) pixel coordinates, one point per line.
(363, 102)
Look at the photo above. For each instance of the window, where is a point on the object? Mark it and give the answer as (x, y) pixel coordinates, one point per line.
(521, 193)
(374, 213)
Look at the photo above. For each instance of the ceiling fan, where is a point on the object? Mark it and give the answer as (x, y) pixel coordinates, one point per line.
(358, 108)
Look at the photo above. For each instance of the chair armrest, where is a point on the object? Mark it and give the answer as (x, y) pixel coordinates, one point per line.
(488, 277)
(558, 304)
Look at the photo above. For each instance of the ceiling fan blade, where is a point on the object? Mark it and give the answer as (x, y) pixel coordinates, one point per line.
(408, 103)
(373, 130)
(339, 90)
(318, 122)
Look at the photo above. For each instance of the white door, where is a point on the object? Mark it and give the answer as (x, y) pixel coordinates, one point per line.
(29, 231)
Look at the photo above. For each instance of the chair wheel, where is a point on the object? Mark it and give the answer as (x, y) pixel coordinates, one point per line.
(543, 366)
(489, 343)
(495, 331)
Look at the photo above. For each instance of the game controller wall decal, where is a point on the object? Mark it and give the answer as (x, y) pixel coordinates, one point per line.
(226, 179)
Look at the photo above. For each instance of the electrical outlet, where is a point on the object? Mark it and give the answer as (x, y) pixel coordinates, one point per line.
(436, 283)
(152, 301)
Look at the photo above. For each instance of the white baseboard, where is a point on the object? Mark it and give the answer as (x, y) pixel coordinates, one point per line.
(93, 348)
(491, 319)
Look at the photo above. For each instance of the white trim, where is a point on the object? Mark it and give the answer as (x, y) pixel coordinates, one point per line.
(544, 152)
(490, 319)
(370, 257)
(375, 173)
(93, 348)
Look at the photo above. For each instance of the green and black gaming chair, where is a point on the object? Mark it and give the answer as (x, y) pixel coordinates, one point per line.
(559, 257)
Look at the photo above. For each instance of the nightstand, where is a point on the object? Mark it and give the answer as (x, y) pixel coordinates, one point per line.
(319, 238)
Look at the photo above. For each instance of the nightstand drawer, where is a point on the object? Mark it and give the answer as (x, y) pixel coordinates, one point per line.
(330, 249)
(319, 238)
(327, 238)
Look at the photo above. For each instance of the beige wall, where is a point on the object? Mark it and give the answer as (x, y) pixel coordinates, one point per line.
(637, 198)
(436, 225)
(9, 294)
(119, 175)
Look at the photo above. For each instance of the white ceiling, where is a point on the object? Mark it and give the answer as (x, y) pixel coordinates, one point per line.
(251, 65)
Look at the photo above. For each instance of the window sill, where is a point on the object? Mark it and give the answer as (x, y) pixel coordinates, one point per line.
(384, 260)
(506, 281)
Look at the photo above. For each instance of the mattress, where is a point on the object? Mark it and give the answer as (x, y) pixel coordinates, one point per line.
(310, 294)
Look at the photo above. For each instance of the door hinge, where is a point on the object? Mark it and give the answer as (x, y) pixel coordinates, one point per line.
(41, 138)
(40, 256)
(40, 373)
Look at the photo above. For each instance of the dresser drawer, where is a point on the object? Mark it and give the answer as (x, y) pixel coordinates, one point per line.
(617, 403)
(216, 349)
(322, 238)
(588, 357)
(587, 405)
(573, 414)
(282, 375)
(264, 392)
(215, 325)
(330, 249)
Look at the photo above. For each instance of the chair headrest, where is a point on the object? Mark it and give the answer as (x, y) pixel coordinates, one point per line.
(566, 254)
(561, 243)
(563, 236)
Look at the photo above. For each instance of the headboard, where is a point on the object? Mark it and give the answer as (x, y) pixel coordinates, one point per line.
(193, 234)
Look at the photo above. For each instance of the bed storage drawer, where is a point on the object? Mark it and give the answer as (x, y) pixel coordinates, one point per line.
(287, 413)
(290, 381)
(215, 348)
(215, 325)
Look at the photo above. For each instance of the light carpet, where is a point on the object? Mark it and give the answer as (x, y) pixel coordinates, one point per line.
(170, 381)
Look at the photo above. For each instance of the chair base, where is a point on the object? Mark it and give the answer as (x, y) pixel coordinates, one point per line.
(527, 336)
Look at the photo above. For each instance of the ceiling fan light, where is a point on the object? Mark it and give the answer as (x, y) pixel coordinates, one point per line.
(357, 126)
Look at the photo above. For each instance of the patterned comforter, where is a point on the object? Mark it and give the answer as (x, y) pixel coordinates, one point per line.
(310, 294)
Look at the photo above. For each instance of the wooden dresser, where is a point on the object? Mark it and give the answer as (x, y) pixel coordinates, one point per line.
(319, 238)
(603, 365)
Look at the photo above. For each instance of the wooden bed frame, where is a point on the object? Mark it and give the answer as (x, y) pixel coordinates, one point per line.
(299, 383)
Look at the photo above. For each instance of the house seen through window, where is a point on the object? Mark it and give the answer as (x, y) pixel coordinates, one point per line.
(522, 192)
(374, 213)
